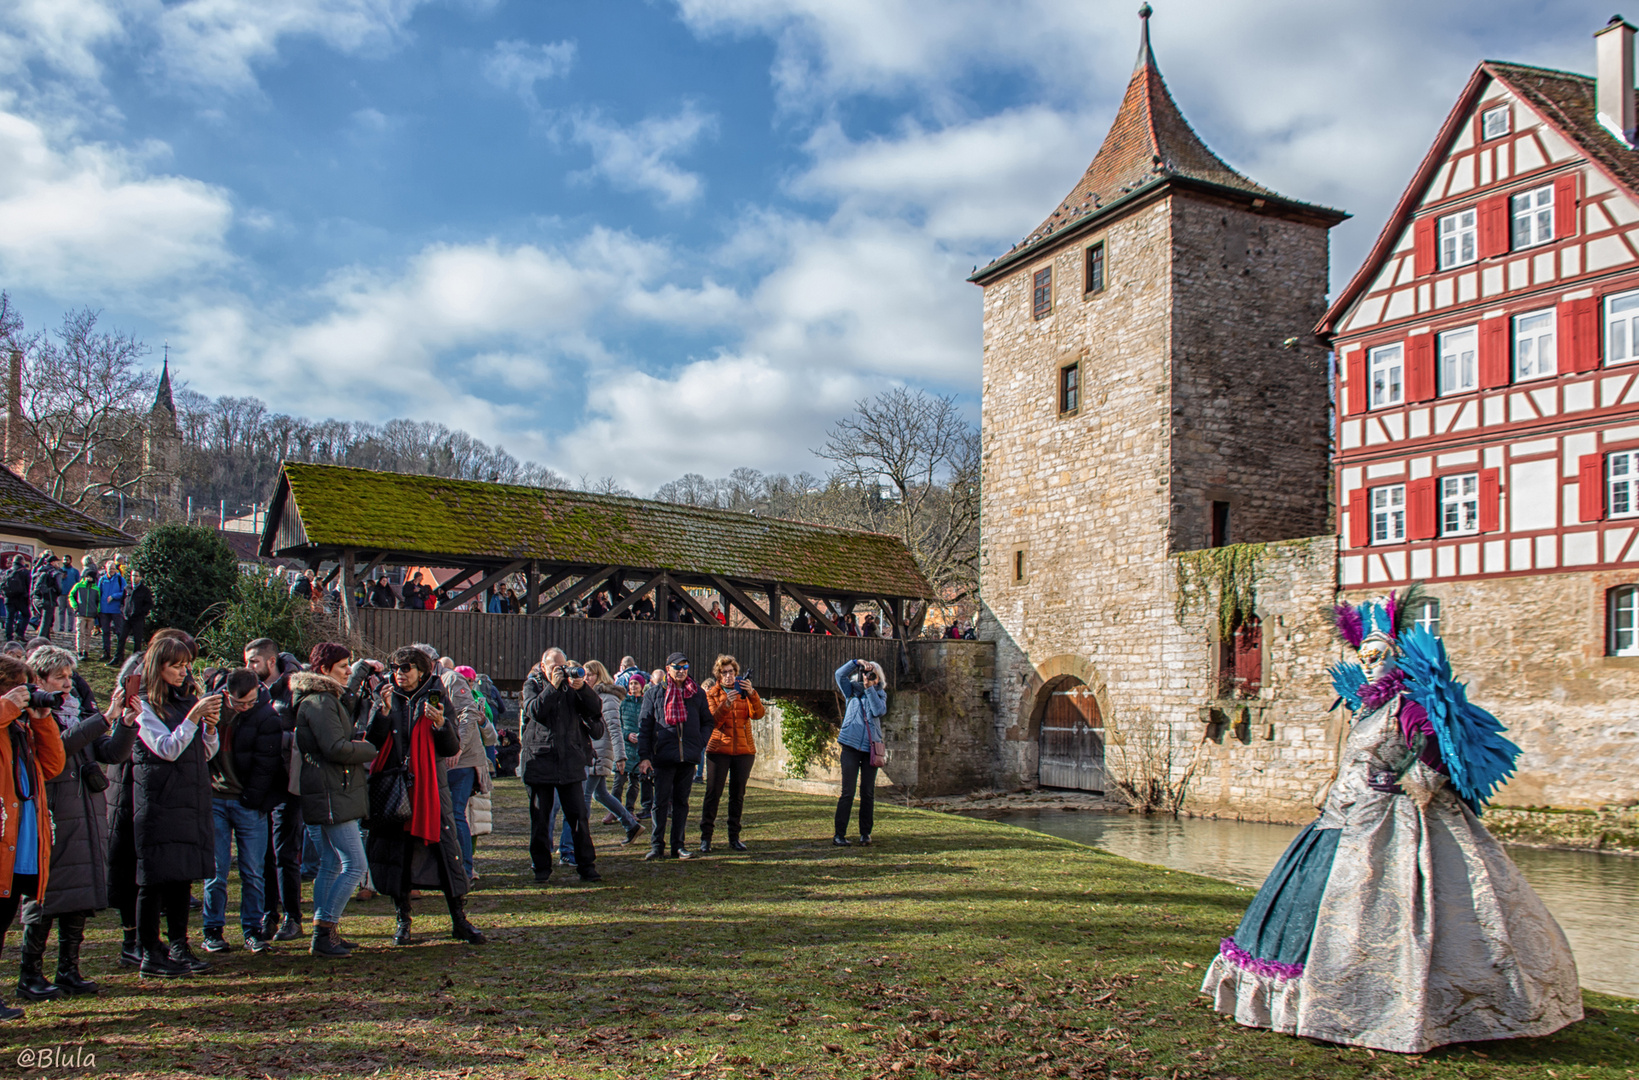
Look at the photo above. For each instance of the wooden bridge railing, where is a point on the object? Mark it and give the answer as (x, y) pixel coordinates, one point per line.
(506, 646)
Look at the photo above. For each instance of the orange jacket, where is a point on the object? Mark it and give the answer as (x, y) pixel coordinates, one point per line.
(732, 735)
(47, 741)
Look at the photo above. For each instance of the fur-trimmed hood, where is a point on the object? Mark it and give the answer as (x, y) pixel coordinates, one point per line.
(311, 682)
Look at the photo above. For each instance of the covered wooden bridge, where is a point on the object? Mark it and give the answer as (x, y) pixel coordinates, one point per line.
(570, 545)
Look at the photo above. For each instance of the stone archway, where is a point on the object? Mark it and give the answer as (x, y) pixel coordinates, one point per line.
(1070, 737)
(1055, 674)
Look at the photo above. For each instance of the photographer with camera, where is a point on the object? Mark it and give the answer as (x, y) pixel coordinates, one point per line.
(561, 715)
(732, 751)
(78, 887)
(31, 753)
(863, 686)
(672, 729)
(171, 796)
(413, 843)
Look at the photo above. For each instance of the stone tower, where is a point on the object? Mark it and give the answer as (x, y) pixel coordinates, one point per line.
(162, 451)
(1150, 387)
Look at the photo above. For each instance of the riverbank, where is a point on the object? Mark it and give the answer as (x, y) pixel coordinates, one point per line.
(951, 947)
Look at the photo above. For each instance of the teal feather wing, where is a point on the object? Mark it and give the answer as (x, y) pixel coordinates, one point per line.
(1347, 679)
(1477, 757)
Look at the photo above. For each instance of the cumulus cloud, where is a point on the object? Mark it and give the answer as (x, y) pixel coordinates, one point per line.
(92, 218)
(516, 66)
(61, 36)
(638, 158)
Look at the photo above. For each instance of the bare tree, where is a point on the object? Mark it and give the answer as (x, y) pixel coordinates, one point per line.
(83, 402)
(603, 485)
(907, 463)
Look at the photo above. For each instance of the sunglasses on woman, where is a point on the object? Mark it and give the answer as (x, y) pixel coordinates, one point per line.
(404, 667)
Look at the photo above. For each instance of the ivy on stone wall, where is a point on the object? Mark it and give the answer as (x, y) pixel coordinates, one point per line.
(1232, 571)
(807, 736)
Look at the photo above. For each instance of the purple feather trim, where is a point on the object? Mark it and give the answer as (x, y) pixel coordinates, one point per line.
(1269, 969)
(1388, 609)
(1349, 627)
(1381, 690)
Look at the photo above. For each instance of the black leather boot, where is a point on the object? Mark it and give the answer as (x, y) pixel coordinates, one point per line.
(460, 928)
(131, 950)
(401, 929)
(31, 981)
(70, 936)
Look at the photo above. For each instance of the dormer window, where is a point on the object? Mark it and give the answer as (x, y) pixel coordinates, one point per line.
(1494, 123)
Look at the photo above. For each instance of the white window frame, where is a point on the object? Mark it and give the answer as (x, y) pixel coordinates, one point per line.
(1622, 621)
(1531, 218)
(1622, 484)
(1459, 497)
(1487, 131)
(1459, 235)
(1428, 616)
(1390, 362)
(1387, 506)
(1622, 327)
(1459, 370)
(1534, 343)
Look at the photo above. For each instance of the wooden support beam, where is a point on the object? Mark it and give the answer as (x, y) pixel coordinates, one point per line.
(757, 615)
(773, 591)
(364, 575)
(634, 596)
(580, 588)
(548, 584)
(328, 578)
(700, 610)
(814, 612)
(529, 588)
(468, 594)
(896, 618)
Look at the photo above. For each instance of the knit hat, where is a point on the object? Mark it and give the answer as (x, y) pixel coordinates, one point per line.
(467, 673)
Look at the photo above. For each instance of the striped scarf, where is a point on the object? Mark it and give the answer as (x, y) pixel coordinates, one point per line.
(676, 694)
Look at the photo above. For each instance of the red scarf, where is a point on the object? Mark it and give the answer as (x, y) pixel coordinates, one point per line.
(426, 812)
(675, 712)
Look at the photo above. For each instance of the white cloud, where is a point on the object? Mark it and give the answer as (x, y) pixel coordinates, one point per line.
(637, 158)
(62, 36)
(91, 218)
(516, 66)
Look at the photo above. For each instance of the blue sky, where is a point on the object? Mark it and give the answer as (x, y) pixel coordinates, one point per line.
(641, 237)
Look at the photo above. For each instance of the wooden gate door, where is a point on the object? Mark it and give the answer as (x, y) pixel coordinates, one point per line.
(1072, 741)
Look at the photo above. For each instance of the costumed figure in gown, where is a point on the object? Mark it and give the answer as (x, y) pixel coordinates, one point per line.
(1395, 921)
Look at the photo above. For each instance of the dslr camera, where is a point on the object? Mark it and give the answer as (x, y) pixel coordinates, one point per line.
(575, 671)
(40, 699)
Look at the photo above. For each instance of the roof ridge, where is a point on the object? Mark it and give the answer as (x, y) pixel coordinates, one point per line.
(1537, 67)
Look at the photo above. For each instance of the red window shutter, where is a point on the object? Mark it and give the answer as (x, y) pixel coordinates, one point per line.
(1565, 191)
(1493, 353)
(1357, 383)
(1420, 368)
(1360, 518)
(1425, 239)
(1493, 222)
(1490, 500)
(1422, 513)
(1579, 335)
(1590, 487)
(1249, 657)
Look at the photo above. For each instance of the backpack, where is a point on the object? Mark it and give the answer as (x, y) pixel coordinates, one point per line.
(15, 583)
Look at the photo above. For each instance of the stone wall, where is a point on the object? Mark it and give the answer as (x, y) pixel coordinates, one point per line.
(1532, 650)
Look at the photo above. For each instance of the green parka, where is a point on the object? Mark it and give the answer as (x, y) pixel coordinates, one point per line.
(334, 788)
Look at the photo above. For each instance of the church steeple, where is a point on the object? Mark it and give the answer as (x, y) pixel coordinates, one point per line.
(162, 397)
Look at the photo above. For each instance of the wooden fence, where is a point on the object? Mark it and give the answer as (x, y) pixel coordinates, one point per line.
(507, 646)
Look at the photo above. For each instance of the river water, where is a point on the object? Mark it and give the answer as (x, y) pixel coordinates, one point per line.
(1595, 897)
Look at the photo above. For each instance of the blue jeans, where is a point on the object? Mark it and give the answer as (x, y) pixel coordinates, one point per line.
(341, 868)
(236, 822)
(462, 781)
(312, 849)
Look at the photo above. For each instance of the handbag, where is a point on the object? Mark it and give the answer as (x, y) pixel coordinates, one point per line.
(92, 776)
(390, 795)
(879, 754)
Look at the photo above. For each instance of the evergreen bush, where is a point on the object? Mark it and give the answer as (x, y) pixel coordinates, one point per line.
(190, 570)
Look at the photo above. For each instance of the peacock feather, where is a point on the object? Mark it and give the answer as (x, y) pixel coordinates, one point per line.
(1477, 757)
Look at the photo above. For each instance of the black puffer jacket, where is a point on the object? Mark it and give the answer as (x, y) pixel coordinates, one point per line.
(171, 807)
(680, 745)
(79, 857)
(391, 846)
(557, 727)
(258, 736)
(334, 780)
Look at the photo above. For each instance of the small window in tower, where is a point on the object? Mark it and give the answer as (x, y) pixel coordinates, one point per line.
(1494, 123)
(1043, 304)
(1018, 566)
(1095, 268)
(1070, 388)
(1220, 525)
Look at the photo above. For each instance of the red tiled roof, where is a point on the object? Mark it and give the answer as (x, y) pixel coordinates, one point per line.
(1565, 100)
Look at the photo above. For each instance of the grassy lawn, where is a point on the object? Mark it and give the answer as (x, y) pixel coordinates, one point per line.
(951, 948)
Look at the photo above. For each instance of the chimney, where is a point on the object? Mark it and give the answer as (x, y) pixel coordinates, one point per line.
(12, 434)
(1614, 93)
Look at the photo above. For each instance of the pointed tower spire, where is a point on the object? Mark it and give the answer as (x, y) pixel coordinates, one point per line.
(162, 397)
(1146, 58)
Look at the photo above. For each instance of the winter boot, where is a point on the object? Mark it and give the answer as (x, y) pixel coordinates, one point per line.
(70, 936)
(131, 950)
(460, 928)
(31, 981)
(401, 930)
(325, 943)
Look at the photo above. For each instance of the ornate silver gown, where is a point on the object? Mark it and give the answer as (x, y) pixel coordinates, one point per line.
(1426, 933)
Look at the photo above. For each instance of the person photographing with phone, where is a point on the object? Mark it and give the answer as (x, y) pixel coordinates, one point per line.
(31, 753)
(731, 751)
(673, 727)
(171, 804)
(413, 843)
(862, 686)
(561, 715)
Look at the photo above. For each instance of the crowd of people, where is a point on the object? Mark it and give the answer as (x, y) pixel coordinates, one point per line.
(364, 776)
(43, 593)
